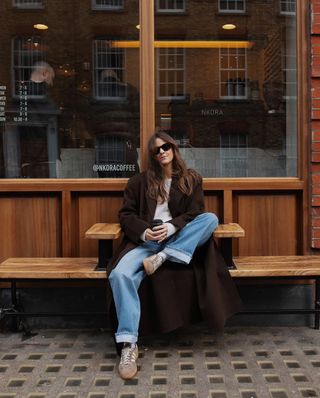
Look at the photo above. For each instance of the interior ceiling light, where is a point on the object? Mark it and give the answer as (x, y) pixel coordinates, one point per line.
(228, 26)
(40, 26)
(138, 27)
(186, 44)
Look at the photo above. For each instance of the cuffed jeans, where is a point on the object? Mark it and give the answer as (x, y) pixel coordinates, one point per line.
(125, 279)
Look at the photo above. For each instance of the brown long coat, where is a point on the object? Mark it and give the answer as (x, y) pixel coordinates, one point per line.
(176, 295)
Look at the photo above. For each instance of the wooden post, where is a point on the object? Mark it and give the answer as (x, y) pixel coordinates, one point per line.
(147, 92)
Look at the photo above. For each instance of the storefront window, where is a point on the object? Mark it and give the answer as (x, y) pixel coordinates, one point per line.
(69, 89)
(227, 86)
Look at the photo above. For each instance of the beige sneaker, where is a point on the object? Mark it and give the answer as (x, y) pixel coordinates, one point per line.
(152, 263)
(128, 362)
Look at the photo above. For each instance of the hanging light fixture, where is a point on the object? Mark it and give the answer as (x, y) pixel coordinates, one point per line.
(228, 26)
(41, 26)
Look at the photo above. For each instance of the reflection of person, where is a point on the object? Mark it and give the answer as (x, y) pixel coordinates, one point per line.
(112, 86)
(170, 192)
(42, 72)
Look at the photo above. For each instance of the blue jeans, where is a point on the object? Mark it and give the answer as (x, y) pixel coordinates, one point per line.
(126, 277)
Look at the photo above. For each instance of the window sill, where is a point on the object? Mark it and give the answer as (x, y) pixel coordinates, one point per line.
(232, 13)
(31, 8)
(172, 13)
(108, 10)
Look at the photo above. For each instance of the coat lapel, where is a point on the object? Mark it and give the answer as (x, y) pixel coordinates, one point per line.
(150, 204)
(174, 197)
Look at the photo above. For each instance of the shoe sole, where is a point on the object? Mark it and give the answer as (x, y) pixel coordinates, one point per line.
(148, 269)
(129, 376)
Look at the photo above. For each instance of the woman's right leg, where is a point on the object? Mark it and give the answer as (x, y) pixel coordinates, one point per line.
(125, 280)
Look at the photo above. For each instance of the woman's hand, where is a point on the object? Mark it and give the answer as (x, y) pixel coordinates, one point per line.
(159, 233)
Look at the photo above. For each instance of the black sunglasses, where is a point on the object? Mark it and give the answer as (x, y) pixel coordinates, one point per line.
(165, 147)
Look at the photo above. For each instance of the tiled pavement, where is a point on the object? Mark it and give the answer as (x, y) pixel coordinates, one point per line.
(243, 362)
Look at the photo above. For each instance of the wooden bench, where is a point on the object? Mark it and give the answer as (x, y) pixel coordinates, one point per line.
(281, 268)
(105, 233)
(251, 267)
(37, 269)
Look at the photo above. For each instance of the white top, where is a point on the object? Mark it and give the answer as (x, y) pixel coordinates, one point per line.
(162, 211)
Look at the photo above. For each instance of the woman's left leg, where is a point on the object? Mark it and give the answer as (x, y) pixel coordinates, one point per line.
(181, 246)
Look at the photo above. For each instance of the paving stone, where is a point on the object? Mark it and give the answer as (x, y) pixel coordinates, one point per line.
(240, 363)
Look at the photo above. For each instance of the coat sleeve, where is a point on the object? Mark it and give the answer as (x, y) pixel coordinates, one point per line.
(132, 225)
(194, 206)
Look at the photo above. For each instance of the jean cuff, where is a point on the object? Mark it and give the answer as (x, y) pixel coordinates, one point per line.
(175, 254)
(126, 338)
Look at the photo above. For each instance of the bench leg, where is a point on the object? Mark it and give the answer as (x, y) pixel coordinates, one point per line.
(226, 251)
(15, 311)
(317, 304)
(6, 312)
(105, 254)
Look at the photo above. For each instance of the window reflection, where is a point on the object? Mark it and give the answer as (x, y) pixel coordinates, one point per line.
(170, 5)
(109, 71)
(107, 4)
(27, 3)
(69, 97)
(232, 5)
(171, 72)
(235, 114)
(29, 66)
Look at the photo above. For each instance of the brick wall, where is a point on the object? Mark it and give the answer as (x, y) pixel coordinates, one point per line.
(315, 115)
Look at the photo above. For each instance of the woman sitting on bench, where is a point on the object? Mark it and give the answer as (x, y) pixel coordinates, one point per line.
(172, 193)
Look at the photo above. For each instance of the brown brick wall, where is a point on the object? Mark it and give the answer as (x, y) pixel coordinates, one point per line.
(315, 124)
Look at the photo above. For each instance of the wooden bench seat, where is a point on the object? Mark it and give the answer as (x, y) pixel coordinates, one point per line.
(50, 268)
(105, 233)
(113, 231)
(276, 266)
(250, 267)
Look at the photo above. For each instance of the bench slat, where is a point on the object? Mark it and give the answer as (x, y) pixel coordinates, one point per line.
(273, 266)
(230, 230)
(50, 268)
(113, 231)
(104, 231)
(84, 267)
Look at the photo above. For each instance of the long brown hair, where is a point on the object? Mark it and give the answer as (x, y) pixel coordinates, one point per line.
(186, 177)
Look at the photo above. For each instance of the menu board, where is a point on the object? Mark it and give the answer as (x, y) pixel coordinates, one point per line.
(3, 99)
(21, 115)
(23, 104)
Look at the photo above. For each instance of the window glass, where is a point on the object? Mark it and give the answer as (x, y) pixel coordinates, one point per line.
(287, 6)
(107, 4)
(69, 89)
(227, 86)
(170, 5)
(27, 3)
(232, 5)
